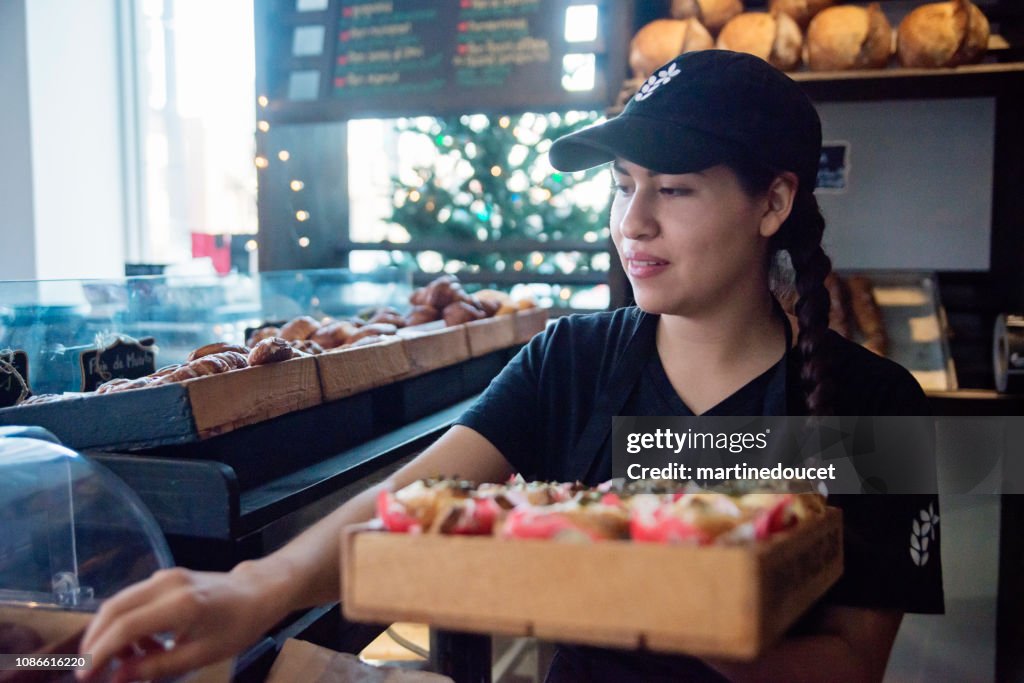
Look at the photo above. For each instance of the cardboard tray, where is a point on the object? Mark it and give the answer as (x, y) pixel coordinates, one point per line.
(722, 601)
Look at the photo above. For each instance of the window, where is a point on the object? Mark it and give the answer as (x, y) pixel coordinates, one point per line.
(192, 88)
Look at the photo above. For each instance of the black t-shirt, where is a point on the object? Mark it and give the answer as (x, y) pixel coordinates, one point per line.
(536, 410)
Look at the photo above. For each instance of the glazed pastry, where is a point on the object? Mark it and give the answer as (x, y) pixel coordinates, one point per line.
(272, 350)
(308, 346)
(372, 329)
(262, 333)
(216, 347)
(460, 312)
(300, 328)
(334, 334)
(422, 314)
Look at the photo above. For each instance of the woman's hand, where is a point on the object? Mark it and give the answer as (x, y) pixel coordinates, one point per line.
(211, 616)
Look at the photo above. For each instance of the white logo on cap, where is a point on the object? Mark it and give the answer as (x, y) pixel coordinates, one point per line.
(656, 81)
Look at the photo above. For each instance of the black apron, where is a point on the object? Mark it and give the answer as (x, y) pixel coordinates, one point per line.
(590, 454)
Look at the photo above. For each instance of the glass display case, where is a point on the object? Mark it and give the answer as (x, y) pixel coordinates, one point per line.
(74, 534)
(54, 321)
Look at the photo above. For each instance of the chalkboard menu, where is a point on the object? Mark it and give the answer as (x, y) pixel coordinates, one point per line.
(338, 59)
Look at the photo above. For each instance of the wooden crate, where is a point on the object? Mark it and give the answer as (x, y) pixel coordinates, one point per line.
(721, 601)
(178, 413)
(491, 334)
(432, 346)
(530, 322)
(224, 402)
(349, 371)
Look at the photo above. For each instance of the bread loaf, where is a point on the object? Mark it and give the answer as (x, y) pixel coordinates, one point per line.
(802, 11)
(272, 350)
(774, 38)
(713, 14)
(943, 34)
(662, 40)
(849, 37)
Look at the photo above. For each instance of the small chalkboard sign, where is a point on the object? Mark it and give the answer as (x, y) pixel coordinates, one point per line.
(12, 389)
(125, 358)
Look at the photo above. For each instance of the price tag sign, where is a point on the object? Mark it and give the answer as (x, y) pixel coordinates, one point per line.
(11, 388)
(125, 358)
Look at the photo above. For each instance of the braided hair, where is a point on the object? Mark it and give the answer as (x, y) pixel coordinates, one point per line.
(800, 238)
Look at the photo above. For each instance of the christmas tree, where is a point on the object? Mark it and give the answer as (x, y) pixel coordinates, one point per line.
(490, 182)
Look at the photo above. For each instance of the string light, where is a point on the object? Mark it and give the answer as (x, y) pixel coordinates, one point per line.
(495, 171)
(537, 259)
(504, 121)
(251, 245)
(262, 100)
(296, 185)
(283, 155)
(302, 216)
(414, 196)
(303, 242)
(518, 265)
(261, 162)
(264, 126)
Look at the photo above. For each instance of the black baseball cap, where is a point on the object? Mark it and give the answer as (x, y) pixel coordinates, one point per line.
(702, 109)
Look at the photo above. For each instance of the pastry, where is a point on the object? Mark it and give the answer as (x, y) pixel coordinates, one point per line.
(262, 333)
(272, 350)
(372, 329)
(216, 347)
(299, 328)
(422, 314)
(460, 312)
(334, 334)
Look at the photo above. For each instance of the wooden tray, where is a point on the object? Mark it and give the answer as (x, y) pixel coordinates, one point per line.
(349, 371)
(722, 601)
(530, 322)
(432, 346)
(491, 334)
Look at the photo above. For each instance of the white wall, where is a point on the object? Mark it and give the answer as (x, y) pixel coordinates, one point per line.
(66, 198)
(17, 240)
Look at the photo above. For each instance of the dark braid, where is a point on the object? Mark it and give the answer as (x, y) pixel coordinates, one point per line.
(800, 236)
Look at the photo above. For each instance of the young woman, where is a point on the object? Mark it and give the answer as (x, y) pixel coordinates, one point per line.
(714, 162)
